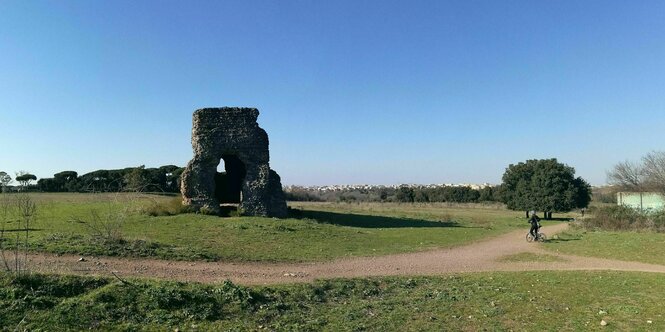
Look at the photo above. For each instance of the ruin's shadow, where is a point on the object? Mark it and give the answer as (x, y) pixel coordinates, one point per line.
(366, 221)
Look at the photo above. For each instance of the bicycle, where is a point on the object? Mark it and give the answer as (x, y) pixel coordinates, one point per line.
(540, 237)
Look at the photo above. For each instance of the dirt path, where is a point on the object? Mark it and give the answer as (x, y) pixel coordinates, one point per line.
(475, 257)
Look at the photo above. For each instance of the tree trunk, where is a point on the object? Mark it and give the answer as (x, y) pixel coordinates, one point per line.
(527, 214)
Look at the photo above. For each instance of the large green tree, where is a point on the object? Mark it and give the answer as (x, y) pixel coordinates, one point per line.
(544, 185)
(25, 178)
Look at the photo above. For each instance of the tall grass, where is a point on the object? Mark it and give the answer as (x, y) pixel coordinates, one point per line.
(170, 207)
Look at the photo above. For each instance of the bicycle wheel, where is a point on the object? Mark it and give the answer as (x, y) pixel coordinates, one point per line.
(529, 237)
(542, 237)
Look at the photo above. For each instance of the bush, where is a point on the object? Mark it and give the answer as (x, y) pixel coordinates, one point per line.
(622, 218)
(170, 207)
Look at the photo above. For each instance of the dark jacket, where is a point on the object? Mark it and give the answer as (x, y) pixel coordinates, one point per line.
(534, 220)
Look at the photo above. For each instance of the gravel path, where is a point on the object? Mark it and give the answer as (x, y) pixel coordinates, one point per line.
(476, 257)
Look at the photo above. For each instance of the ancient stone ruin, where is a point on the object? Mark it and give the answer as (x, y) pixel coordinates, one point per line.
(233, 135)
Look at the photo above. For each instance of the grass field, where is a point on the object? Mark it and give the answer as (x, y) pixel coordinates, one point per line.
(318, 231)
(639, 242)
(646, 247)
(548, 300)
(527, 301)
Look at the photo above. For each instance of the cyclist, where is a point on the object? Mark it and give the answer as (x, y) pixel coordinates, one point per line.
(535, 224)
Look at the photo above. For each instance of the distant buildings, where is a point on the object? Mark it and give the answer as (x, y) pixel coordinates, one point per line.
(350, 187)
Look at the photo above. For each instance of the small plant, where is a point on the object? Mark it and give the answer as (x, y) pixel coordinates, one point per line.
(236, 213)
(207, 211)
(5, 210)
(21, 212)
(106, 226)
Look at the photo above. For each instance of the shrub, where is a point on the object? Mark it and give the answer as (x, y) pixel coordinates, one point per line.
(622, 218)
(169, 207)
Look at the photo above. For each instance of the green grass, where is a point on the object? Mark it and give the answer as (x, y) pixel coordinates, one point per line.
(613, 232)
(526, 301)
(319, 231)
(647, 247)
(530, 257)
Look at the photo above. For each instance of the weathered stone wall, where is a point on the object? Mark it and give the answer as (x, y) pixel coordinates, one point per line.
(231, 131)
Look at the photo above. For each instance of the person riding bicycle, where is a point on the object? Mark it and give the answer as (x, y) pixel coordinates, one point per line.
(535, 224)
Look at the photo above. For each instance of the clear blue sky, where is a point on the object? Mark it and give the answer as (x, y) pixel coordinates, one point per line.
(349, 91)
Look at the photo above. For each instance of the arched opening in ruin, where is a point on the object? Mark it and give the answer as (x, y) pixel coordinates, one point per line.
(232, 135)
(228, 183)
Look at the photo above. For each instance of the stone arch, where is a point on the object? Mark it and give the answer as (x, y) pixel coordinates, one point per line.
(231, 133)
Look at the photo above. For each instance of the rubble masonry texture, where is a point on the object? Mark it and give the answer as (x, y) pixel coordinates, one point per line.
(231, 133)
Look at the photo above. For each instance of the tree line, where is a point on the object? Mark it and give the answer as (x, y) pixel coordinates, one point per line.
(402, 194)
(138, 179)
(461, 194)
(22, 177)
(542, 185)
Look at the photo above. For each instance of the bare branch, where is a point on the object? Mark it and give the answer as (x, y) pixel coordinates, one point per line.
(627, 175)
(122, 280)
(654, 170)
